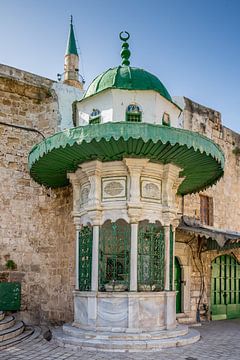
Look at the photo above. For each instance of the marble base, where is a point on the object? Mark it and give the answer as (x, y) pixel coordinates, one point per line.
(134, 312)
(78, 339)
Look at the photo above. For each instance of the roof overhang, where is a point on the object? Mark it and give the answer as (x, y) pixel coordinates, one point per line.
(200, 159)
(216, 239)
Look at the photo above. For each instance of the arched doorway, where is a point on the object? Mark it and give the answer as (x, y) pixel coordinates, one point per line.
(178, 285)
(225, 288)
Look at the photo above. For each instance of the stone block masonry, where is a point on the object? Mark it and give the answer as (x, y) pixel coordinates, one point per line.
(36, 229)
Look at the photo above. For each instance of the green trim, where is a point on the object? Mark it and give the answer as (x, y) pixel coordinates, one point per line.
(200, 159)
(95, 120)
(171, 258)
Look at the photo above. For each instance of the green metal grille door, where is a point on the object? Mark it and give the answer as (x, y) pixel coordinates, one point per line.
(225, 285)
(85, 258)
(177, 284)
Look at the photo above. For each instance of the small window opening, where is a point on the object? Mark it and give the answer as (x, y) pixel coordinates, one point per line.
(95, 117)
(166, 119)
(133, 113)
(206, 210)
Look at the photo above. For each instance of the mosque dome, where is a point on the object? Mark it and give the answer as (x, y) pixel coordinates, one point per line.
(127, 78)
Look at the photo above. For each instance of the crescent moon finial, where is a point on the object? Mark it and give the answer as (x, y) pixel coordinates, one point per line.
(125, 53)
(124, 38)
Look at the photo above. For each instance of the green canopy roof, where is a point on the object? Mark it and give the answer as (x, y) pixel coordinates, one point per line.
(127, 78)
(201, 160)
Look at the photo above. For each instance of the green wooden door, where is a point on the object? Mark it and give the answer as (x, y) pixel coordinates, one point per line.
(225, 286)
(178, 288)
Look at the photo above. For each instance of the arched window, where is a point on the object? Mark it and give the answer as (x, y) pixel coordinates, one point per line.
(114, 256)
(95, 117)
(133, 113)
(166, 119)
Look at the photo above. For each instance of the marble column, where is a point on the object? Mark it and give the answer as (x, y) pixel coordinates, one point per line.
(133, 259)
(95, 247)
(167, 257)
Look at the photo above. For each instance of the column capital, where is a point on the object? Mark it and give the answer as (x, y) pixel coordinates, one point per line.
(135, 165)
(134, 212)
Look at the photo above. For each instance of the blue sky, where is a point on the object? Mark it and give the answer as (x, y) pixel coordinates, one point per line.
(193, 46)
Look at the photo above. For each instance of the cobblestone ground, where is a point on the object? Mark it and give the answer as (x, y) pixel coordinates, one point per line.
(219, 340)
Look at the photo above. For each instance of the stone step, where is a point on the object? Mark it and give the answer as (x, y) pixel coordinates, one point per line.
(68, 329)
(123, 345)
(12, 332)
(7, 322)
(2, 315)
(27, 335)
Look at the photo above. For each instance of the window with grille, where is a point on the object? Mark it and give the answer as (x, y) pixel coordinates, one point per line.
(206, 210)
(151, 257)
(133, 113)
(114, 256)
(95, 117)
(166, 119)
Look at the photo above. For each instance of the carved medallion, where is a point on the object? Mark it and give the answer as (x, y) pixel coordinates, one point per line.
(151, 189)
(84, 194)
(114, 188)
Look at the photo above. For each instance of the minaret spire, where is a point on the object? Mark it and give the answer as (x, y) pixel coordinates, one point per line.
(71, 63)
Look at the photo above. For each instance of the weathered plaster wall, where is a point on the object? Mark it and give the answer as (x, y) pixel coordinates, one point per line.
(36, 229)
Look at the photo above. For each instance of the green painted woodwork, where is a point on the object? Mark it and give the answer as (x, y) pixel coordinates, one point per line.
(85, 258)
(171, 244)
(114, 254)
(201, 160)
(151, 257)
(225, 288)
(71, 44)
(126, 78)
(178, 285)
(10, 296)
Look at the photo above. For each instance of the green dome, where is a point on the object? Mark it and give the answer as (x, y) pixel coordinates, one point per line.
(127, 78)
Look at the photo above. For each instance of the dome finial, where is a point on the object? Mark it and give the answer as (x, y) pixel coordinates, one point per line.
(125, 53)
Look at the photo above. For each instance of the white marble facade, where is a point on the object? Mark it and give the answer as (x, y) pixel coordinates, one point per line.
(133, 190)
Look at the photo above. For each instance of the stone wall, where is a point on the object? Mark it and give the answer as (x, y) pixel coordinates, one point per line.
(226, 195)
(36, 229)
(226, 212)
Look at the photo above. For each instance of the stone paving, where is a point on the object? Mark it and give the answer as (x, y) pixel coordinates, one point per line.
(219, 340)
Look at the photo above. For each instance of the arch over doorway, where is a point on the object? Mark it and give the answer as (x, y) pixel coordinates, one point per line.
(225, 288)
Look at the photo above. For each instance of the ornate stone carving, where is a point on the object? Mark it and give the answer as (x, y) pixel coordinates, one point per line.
(84, 193)
(114, 188)
(151, 189)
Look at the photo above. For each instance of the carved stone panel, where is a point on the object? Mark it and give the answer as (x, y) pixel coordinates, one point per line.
(151, 189)
(84, 193)
(114, 188)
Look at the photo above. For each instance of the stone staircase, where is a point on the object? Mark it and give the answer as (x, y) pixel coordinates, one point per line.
(12, 331)
(76, 339)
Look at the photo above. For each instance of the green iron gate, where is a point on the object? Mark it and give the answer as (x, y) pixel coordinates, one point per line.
(151, 257)
(114, 256)
(178, 287)
(10, 296)
(225, 288)
(85, 258)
